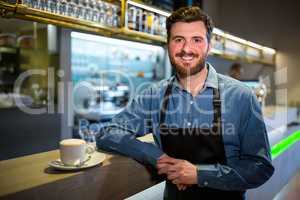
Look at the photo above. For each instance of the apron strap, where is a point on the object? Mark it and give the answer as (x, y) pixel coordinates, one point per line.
(164, 108)
(217, 120)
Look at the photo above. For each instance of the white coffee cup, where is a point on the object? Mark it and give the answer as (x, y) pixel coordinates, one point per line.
(74, 151)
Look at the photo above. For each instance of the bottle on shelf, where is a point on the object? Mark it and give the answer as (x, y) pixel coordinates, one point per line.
(109, 14)
(162, 25)
(151, 23)
(145, 21)
(132, 18)
(155, 25)
(139, 20)
(115, 16)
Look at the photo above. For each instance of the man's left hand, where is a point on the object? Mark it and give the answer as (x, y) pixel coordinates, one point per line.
(177, 170)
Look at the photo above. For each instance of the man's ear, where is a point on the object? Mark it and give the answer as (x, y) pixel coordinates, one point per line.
(167, 46)
(209, 47)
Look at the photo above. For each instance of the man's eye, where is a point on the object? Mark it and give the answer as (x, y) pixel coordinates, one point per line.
(197, 40)
(177, 40)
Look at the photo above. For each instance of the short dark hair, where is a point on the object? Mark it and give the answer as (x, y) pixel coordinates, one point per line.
(190, 14)
(235, 66)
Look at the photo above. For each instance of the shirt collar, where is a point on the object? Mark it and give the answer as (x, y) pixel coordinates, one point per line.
(211, 79)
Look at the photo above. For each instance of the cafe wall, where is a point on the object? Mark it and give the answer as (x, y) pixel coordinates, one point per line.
(24, 133)
(269, 23)
(36, 58)
(31, 41)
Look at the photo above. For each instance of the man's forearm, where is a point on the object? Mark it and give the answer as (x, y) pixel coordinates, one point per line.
(124, 143)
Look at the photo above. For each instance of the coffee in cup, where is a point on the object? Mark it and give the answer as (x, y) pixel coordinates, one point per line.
(74, 151)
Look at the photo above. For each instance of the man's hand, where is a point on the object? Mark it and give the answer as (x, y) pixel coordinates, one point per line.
(180, 172)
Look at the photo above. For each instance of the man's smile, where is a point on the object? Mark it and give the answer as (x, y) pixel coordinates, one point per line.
(187, 57)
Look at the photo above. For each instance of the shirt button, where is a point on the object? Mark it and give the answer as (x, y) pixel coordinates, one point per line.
(189, 123)
(205, 183)
(191, 102)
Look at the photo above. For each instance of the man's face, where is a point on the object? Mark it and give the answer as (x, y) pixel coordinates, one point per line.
(188, 47)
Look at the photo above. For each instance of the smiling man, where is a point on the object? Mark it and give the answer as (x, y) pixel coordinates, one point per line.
(210, 138)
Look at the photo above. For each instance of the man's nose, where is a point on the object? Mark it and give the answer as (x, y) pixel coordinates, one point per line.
(187, 47)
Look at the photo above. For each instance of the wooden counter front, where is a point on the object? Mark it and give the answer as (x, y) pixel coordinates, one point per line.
(29, 177)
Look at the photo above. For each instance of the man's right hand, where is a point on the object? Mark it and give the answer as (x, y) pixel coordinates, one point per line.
(179, 186)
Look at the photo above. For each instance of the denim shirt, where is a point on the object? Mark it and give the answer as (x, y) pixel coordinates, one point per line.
(244, 134)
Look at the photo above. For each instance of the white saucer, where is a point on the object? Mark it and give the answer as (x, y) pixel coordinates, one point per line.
(96, 158)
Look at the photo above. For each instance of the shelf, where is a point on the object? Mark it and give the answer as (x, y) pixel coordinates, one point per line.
(145, 37)
(10, 50)
(21, 11)
(24, 12)
(239, 58)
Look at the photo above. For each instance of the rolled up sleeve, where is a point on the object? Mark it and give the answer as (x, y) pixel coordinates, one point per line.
(252, 166)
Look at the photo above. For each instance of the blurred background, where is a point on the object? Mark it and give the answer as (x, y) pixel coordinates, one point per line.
(67, 64)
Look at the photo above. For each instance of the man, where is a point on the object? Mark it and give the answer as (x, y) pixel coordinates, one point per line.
(235, 71)
(210, 137)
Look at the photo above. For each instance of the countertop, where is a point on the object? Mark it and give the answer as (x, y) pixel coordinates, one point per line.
(29, 177)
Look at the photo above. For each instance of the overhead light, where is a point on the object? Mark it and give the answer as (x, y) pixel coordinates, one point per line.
(155, 10)
(218, 32)
(269, 50)
(113, 41)
(243, 41)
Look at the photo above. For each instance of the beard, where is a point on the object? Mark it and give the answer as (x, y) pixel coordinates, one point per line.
(186, 69)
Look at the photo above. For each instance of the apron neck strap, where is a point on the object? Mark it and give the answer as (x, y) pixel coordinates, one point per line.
(217, 120)
(165, 102)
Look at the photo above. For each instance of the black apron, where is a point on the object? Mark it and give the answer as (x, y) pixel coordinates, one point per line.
(198, 146)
